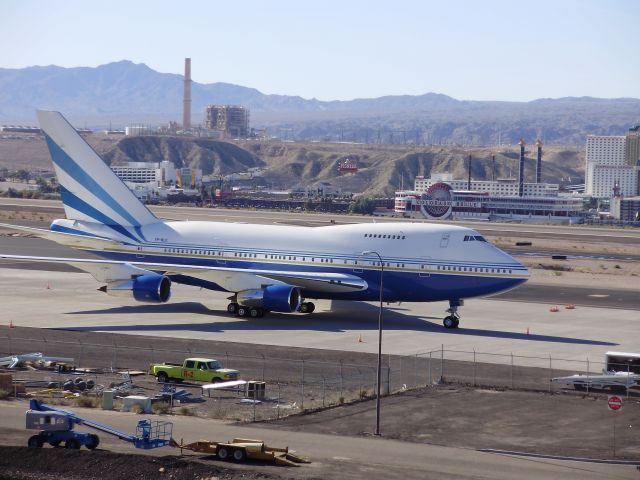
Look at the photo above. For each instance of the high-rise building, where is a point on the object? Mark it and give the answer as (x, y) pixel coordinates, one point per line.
(632, 147)
(232, 120)
(607, 163)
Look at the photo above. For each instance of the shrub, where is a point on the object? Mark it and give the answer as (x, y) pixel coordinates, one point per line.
(160, 408)
(88, 402)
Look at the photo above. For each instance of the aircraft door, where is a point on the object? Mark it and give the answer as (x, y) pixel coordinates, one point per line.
(444, 240)
(424, 266)
(139, 253)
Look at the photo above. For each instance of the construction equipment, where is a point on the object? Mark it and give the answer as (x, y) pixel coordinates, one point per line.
(56, 426)
(241, 449)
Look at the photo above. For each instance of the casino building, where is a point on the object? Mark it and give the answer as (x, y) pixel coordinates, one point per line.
(442, 197)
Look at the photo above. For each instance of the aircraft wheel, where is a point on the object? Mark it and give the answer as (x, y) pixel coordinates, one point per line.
(311, 306)
(255, 312)
(232, 308)
(457, 323)
(449, 322)
(243, 311)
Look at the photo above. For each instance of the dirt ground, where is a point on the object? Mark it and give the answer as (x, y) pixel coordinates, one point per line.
(21, 463)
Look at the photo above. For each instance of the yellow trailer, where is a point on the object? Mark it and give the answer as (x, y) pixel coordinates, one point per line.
(241, 449)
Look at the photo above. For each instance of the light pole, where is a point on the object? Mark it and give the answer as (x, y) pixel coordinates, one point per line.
(372, 252)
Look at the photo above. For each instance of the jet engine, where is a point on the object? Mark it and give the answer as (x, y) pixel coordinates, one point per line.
(274, 298)
(150, 288)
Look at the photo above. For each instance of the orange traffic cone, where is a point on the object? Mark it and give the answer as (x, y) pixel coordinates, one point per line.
(10, 323)
(360, 339)
(553, 309)
(48, 286)
(527, 330)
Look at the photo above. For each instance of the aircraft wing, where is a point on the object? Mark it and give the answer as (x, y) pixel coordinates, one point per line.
(231, 279)
(63, 238)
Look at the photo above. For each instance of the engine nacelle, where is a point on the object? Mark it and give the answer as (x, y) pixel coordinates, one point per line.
(150, 288)
(275, 298)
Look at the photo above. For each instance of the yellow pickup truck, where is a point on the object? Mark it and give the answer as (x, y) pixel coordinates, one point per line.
(193, 369)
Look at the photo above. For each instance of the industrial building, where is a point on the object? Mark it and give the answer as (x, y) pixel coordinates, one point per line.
(612, 160)
(231, 120)
(158, 179)
(626, 209)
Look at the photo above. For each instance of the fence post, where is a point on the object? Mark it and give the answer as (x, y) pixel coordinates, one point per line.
(115, 356)
(278, 404)
(511, 369)
(263, 365)
(323, 392)
(302, 388)
(9, 341)
(474, 367)
(550, 373)
(588, 374)
(388, 380)
(430, 377)
(341, 394)
(442, 362)
(628, 378)
(81, 349)
(152, 355)
(415, 371)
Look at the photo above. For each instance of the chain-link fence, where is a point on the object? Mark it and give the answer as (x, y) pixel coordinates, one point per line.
(294, 385)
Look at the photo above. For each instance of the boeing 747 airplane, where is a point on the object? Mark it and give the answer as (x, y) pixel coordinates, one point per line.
(263, 267)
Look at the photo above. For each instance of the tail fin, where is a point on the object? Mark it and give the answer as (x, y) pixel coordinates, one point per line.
(89, 189)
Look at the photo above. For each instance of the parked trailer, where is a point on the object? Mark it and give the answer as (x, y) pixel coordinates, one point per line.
(57, 426)
(610, 380)
(621, 370)
(241, 449)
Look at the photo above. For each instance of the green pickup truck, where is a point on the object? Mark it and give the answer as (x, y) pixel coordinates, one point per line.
(194, 369)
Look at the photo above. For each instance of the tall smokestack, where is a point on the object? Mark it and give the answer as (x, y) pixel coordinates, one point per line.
(186, 111)
(521, 169)
(539, 162)
(469, 178)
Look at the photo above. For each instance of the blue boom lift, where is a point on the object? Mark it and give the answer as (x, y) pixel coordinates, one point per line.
(56, 426)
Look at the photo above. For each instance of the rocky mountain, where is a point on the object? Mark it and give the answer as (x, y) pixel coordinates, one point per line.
(124, 93)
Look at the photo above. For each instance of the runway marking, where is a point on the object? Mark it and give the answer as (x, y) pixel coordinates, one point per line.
(598, 295)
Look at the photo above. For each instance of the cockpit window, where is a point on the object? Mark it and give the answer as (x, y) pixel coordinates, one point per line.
(474, 238)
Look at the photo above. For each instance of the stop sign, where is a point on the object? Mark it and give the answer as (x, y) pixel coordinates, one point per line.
(614, 402)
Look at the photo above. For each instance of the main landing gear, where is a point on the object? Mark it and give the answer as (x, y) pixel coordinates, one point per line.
(453, 319)
(240, 310)
(256, 312)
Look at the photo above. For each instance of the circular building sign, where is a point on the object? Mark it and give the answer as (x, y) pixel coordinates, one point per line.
(437, 202)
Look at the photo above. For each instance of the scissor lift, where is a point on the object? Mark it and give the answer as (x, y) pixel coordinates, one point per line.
(57, 426)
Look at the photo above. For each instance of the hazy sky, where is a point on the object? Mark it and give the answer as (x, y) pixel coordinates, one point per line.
(468, 49)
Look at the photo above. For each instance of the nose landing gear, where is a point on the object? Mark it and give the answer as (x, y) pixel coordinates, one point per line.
(453, 319)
